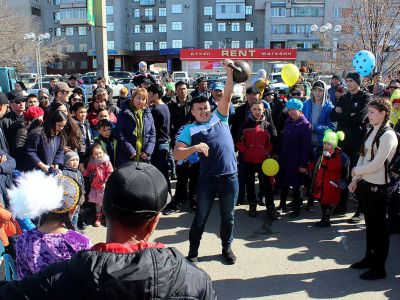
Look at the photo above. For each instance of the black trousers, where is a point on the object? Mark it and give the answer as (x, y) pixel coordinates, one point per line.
(186, 182)
(296, 197)
(264, 183)
(373, 199)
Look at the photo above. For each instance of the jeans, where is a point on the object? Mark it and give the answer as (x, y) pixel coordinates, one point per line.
(75, 216)
(227, 188)
(159, 159)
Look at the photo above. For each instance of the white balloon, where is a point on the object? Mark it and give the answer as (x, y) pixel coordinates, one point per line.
(322, 29)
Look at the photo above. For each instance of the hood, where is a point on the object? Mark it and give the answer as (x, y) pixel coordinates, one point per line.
(395, 95)
(325, 98)
(261, 74)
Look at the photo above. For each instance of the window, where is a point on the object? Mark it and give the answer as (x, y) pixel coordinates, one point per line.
(337, 12)
(69, 48)
(230, 8)
(279, 29)
(249, 10)
(176, 43)
(176, 9)
(148, 29)
(82, 31)
(230, 11)
(176, 25)
(235, 44)
(207, 27)
(299, 29)
(58, 32)
(110, 26)
(69, 31)
(148, 12)
(162, 12)
(149, 45)
(221, 27)
(137, 29)
(235, 26)
(162, 45)
(278, 12)
(307, 12)
(127, 28)
(249, 44)
(136, 13)
(84, 64)
(208, 11)
(110, 44)
(162, 28)
(207, 44)
(83, 48)
(249, 27)
(137, 46)
(56, 2)
(109, 10)
(71, 65)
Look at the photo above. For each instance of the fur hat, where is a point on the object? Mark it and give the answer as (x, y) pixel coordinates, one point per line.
(332, 137)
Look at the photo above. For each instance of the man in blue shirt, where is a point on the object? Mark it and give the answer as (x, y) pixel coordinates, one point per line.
(210, 137)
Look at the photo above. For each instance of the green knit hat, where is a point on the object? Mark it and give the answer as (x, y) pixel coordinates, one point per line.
(332, 137)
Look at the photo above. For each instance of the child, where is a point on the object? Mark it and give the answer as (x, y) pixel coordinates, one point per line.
(103, 114)
(255, 143)
(395, 101)
(99, 168)
(329, 176)
(70, 169)
(79, 113)
(107, 141)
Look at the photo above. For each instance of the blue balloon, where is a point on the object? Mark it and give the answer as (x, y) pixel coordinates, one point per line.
(364, 62)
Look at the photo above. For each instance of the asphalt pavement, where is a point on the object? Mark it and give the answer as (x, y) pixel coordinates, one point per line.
(288, 259)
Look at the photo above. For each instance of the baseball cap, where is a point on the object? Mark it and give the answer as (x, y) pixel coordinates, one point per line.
(137, 189)
(62, 86)
(3, 99)
(319, 85)
(217, 86)
(268, 91)
(15, 96)
(252, 90)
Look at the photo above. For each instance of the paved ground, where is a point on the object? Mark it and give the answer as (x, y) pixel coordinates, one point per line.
(293, 260)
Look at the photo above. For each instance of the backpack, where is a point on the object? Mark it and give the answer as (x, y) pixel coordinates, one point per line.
(392, 167)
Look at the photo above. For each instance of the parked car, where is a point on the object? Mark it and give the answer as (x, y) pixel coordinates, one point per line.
(90, 84)
(180, 76)
(120, 74)
(35, 88)
(239, 90)
(276, 82)
(211, 78)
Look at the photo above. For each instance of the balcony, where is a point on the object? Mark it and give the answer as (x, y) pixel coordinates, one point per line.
(148, 19)
(147, 2)
(72, 3)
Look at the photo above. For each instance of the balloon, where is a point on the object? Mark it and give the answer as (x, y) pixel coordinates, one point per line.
(290, 74)
(364, 62)
(270, 167)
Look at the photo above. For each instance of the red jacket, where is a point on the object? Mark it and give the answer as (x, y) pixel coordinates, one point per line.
(254, 140)
(328, 177)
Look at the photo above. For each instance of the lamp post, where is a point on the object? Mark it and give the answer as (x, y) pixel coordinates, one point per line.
(38, 39)
(326, 29)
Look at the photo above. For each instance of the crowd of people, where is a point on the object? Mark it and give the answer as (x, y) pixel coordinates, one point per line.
(332, 144)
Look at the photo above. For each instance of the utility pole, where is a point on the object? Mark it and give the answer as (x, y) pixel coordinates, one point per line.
(101, 38)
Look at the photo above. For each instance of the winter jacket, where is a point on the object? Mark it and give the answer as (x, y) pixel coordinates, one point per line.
(98, 171)
(41, 149)
(76, 175)
(180, 115)
(329, 177)
(352, 120)
(92, 118)
(323, 123)
(6, 169)
(295, 151)
(125, 127)
(87, 138)
(255, 140)
(115, 150)
(151, 273)
(332, 93)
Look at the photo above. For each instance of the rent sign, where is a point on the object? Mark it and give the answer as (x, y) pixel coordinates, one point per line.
(240, 53)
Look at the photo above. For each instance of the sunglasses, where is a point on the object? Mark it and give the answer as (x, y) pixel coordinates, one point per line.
(296, 94)
(18, 101)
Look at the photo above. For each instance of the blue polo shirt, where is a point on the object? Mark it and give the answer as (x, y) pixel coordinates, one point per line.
(215, 133)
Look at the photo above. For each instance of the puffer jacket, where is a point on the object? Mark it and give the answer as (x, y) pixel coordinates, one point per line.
(151, 273)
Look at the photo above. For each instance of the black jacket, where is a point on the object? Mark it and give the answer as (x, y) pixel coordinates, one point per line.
(180, 115)
(352, 120)
(152, 273)
(6, 169)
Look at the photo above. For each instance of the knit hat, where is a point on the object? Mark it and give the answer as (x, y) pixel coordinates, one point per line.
(33, 112)
(70, 155)
(355, 76)
(295, 104)
(332, 137)
(170, 86)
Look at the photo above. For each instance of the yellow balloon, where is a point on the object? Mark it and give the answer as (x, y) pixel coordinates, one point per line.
(290, 74)
(270, 167)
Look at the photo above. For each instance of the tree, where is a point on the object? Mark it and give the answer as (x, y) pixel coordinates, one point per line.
(18, 52)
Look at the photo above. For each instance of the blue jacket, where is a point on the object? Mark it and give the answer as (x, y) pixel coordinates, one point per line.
(324, 121)
(125, 127)
(40, 149)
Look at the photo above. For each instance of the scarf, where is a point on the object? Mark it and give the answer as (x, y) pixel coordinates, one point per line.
(138, 131)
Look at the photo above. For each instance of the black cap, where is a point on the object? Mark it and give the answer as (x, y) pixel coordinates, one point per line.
(268, 91)
(15, 96)
(72, 77)
(179, 83)
(136, 189)
(355, 76)
(201, 79)
(252, 90)
(3, 99)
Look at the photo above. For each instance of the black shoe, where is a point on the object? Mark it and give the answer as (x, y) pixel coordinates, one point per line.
(253, 210)
(357, 218)
(82, 226)
(170, 209)
(362, 264)
(283, 209)
(192, 257)
(229, 257)
(323, 223)
(373, 275)
(310, 208)
(339, 210)
(295, 214)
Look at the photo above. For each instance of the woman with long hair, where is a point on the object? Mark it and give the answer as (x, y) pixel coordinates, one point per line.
(45, 144)
(370, 181)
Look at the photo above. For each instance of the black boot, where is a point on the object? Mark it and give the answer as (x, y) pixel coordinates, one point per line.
(326, 216)
(253, 210)
(271, 213)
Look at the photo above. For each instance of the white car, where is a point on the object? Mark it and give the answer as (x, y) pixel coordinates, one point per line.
(90, 84)
(276, 82)
(180, 76)
(239, 90)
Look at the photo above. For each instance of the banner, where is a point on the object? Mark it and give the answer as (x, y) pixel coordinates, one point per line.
(90, 12)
